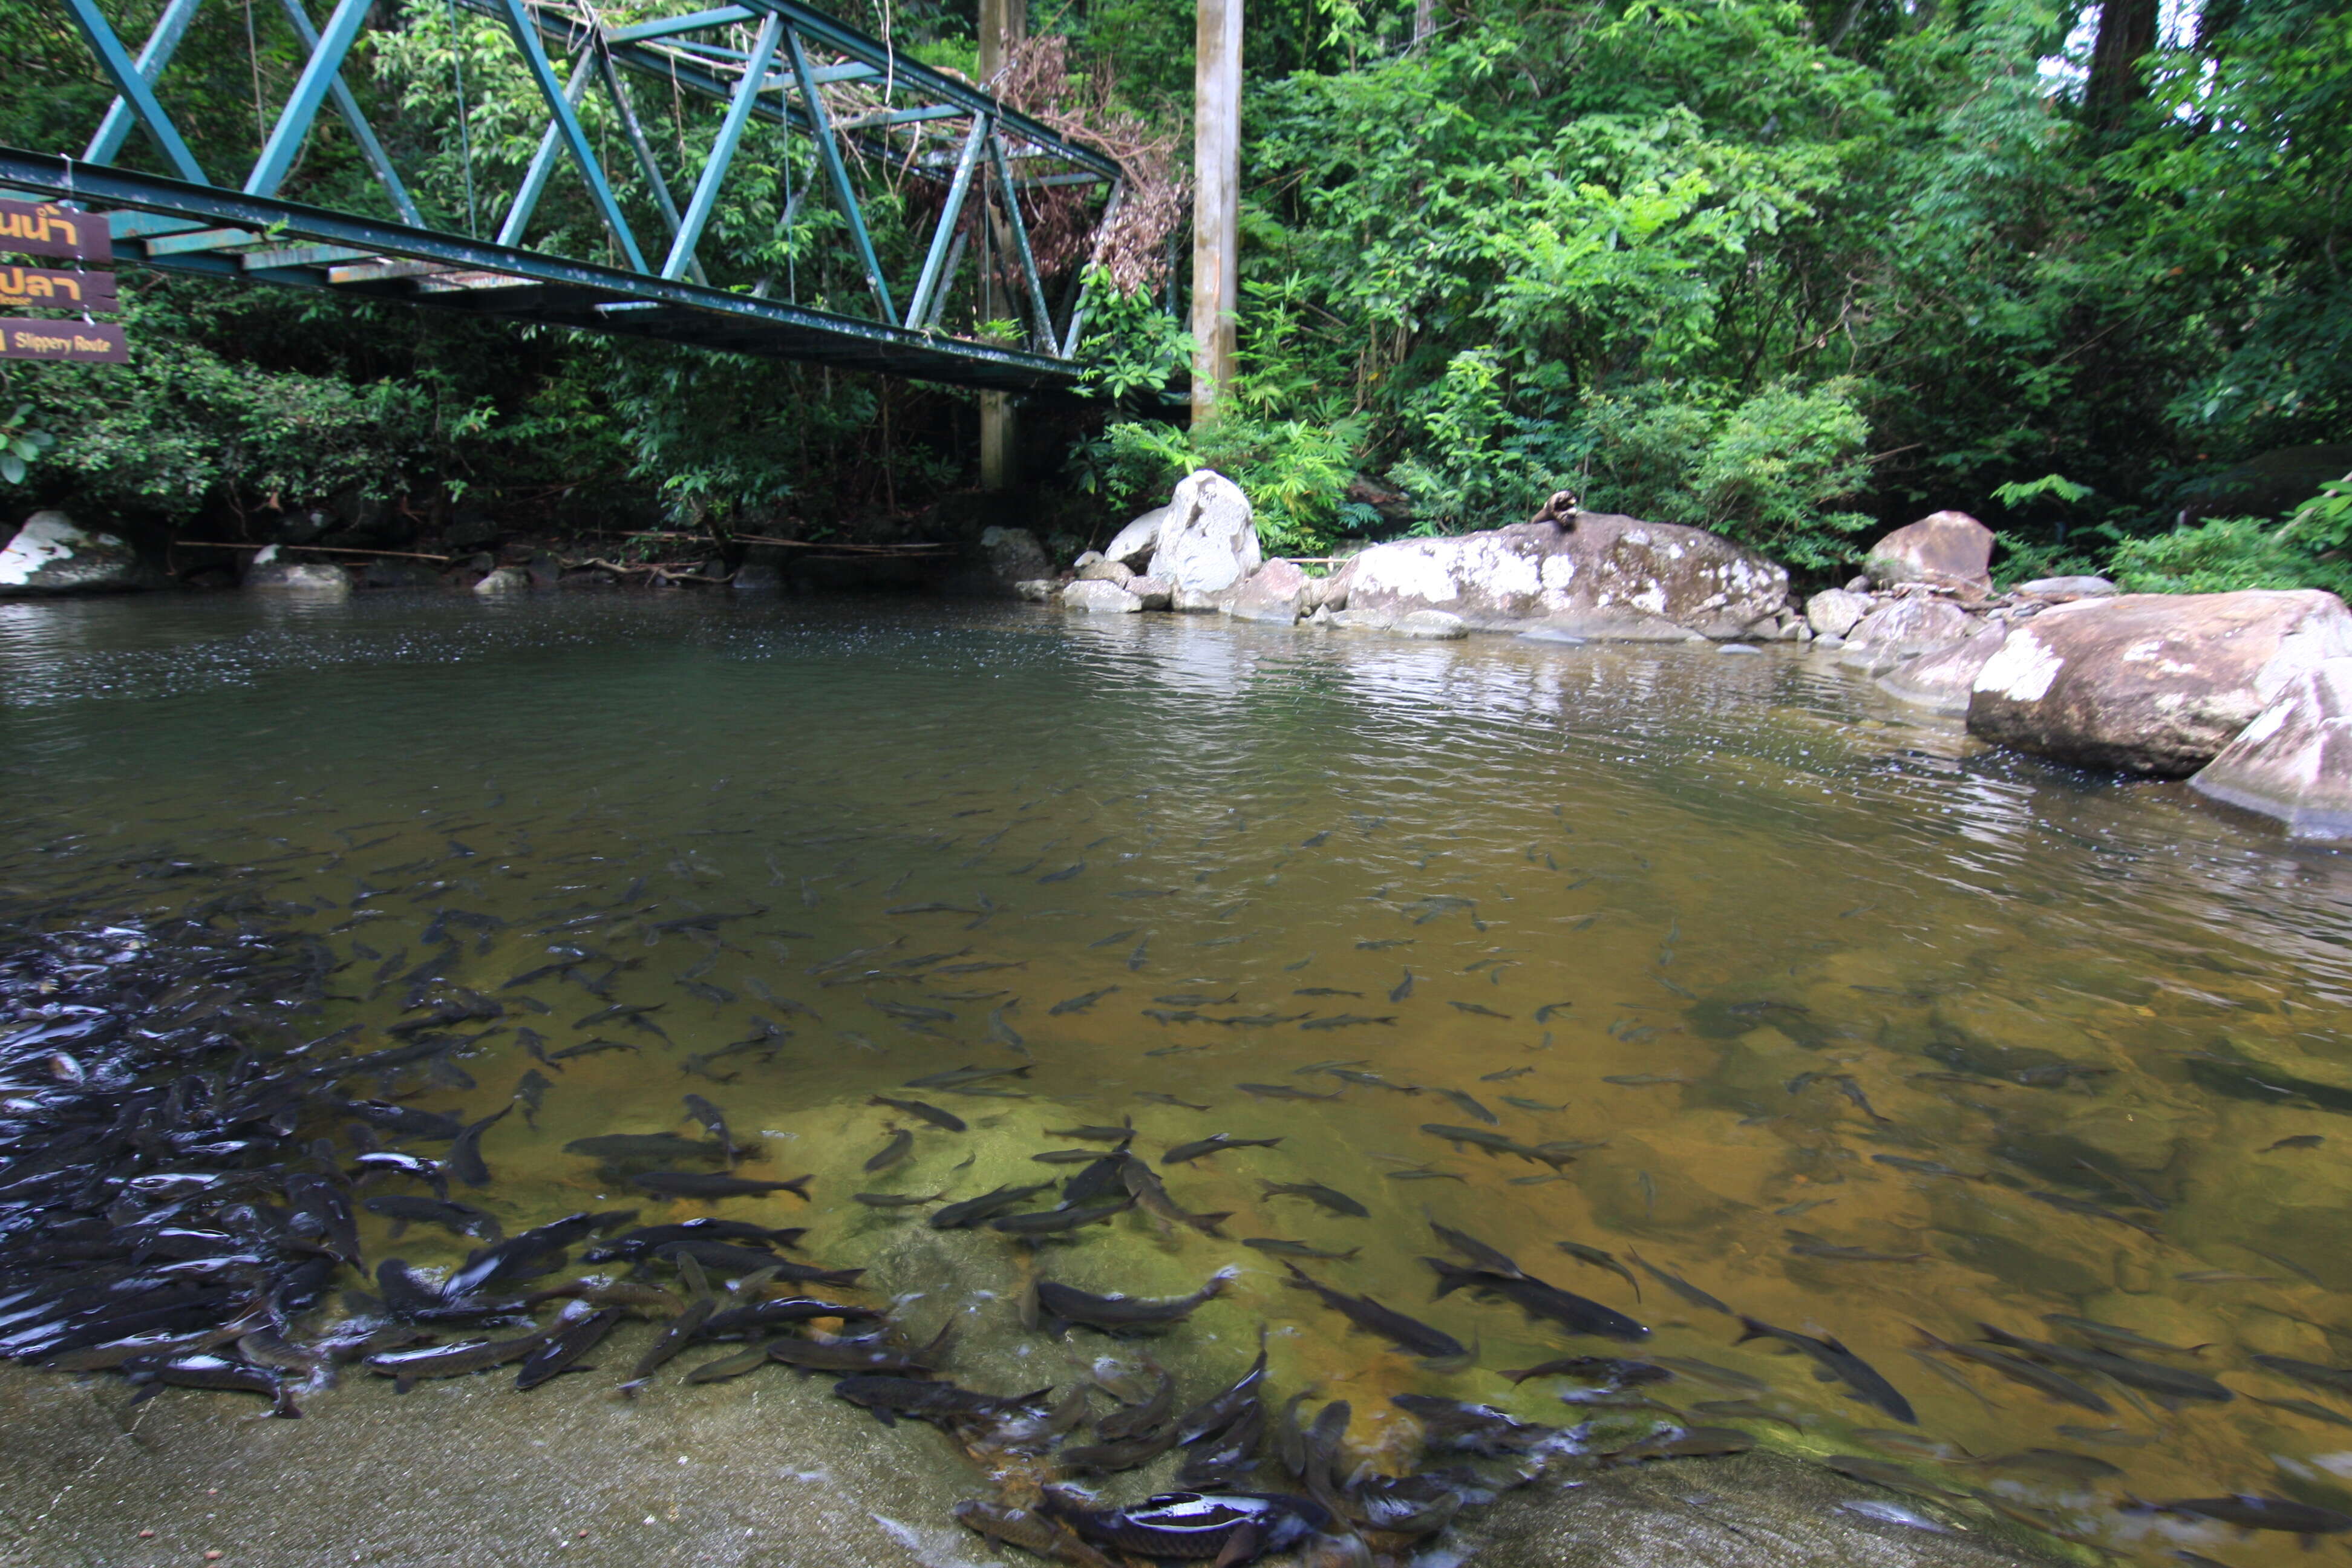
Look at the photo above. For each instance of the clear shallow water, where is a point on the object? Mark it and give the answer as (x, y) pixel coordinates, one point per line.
(1721, 875)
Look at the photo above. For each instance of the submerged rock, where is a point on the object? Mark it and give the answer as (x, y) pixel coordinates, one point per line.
(1100, 598)
(1905, 629)
(2295, 760)
(1207, 542)
(1598, 574)
(504, 580)
(2152, 683)
(1435, 625)
(1947, 549)
(298, 577)
(51, 556)
(1945, 679)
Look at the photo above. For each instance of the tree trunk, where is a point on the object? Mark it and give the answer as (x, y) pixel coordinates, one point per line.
(2127, 34)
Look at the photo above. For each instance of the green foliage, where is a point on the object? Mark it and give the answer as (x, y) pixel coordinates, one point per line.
(21, 445)
(1130, 345)
(1295, 471)
(2025, 491)
(2222, 553)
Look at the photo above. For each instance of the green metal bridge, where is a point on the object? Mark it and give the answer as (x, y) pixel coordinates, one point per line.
(773, 64)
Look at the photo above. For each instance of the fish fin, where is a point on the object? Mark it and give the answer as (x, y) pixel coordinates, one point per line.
(1753, 1329)
(402, 1385)
(798, 1186)
(1240, 1546)
(1207, 1224)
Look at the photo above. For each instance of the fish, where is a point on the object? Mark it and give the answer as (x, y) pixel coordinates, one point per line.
(407, 1367)
(2116, 1338)
(2017, 1369)
(1122, 1134)
(1474, 1008)
(2336, 1379)
(1491, 1259)
(2247, 1512)
(701, 1184)
(1282, 1091)
(1505, 1075)
(1321, 1196)
(2304, 1407)
(890, 1154)
(1521, 1102)
(461, 1219)
(1064, 875)
(1070, 1216)
(1611, 1370)
(1004, 1034)
(1685, 1442)
(1055, 1306)
(616, 1147)
(1304, 990)
(1228, 1527)
(744, 1361)
(1406, 1333)
(909, 1012)
(531, 1093)
(1214, 1143)
(1469, 1105)
(465, 1150)
(946, 1121)
(1539, 1299)
(958, 1077)
(1278, 1247)
(1402, 989)
(1367, 1079)
(1079, 1004)
(1552, 1154)
(896, 1199)
(1544, 1013)
(1804, 1244)
(2096, 1211)
(565, 1345)
(588, 1048)
(1143, 1181)
(1156, 1098)
(988, 1206)
(1346, 1021)
(1643, 1079)
(1857, 1374)
(2171, 1382)
(1382, 944)
(1037, 1534)
(1599, 1259)
(777, 1310)
(1067, 1157)
(2300, 1141)
(714, 1122)
(2059, 1462)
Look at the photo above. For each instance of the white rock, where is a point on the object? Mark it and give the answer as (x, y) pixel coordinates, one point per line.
(1208, 541)
(50, 554)
(505, 579)
(313, 581)
(1435, 625)
(2295, 760)
(1833, 612)
(1132, 545)
(1100, 598)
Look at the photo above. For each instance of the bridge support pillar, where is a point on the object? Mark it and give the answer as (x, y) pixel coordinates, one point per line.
(1004, 27)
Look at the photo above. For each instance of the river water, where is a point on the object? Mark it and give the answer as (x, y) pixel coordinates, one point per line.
(1786, 969)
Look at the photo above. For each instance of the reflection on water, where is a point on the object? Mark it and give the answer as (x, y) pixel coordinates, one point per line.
(1848, 1025)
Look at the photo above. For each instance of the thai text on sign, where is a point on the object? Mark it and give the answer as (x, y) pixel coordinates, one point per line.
(43, 228)
(39, 286)
(99, 343)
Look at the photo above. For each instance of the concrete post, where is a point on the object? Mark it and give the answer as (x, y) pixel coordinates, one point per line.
(1003, 24)
(1216, 198)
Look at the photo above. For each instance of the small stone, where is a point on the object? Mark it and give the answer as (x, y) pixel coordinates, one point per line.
(1737, 648)
(1096, 598)
(1833, 612)
(1435, 625)
(1037, 590)
(1552, 635)
(1101, 571)
(1858, 585)
(505, 579)
(1155, 592)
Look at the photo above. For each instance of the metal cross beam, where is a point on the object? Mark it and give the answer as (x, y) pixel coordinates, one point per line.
(777, 63)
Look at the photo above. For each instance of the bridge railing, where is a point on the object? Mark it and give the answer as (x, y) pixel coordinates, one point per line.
(753, 63)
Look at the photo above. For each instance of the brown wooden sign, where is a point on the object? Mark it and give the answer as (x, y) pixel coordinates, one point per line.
(22, 286)
(99, 343)
(43, 228)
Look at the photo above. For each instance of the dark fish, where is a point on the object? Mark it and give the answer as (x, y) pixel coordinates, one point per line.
(406, 1367)
(1493, 1260)
(959, 1077)
(1039, 1534)
(2300, 1141)
(1346, 1021)
(1804, 1243)
(220, 1374)
(1228, 1527)
(619, 1146)
(1281, 1091)
(2171, 1382)
(1539, 1299)
(762, 1316)
(1079, 1004)
(1214, 1143)
(2336, 1379)
(1552, 1154)
(461, 1219)
(2017, 1369)
(1474, 1008)
(465, 1150)
(1469, 1105)
(588, 1048)
(2096, 1211)
(1281, 1248)
(2247, 1512)
(890, 1154)
(896, 1199)
(531, 1093)
(744, 1361)
(942, 1403)
(1402, 989)
(1156, 1098)
(1118, 1134)
(1611, 1370)
(1318, 1195)
(1067, 1157)
(2118, 1337)
(1102, 1177)
(714, 1122)
(1068, 1217)
(1056, 1304)
(930, 1113)
(702, 1185)
(988, 1206)
(1064, 875)
(1406, 1333)
(1142, 1181)
(565, 1346)
(1833, 1358)
(1505, 1076)
(1683, 1288)
(1544, 1013)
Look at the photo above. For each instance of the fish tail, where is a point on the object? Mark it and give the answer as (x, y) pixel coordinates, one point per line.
(1756, 1330)
(1207, 1224)
(798, 1186)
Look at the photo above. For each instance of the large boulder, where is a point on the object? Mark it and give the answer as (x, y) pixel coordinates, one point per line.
(50, 556)
(1905, 629)
(1207, 541)
(1100, 598)
(1949, 549)
(1275, 592)
(1946, 679)
(2152, 683)
(1012, 556)
(1132, 546)
(1595, 573)
(2295, 760)
(1833, 612)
